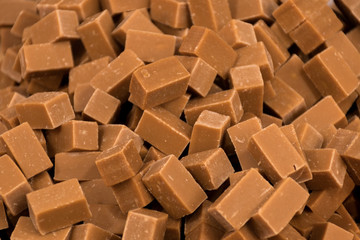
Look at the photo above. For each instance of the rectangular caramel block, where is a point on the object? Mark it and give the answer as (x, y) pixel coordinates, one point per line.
(238, 34)
(177, 105)
(25, 230)
(168, 177)
(89, 231)
(40, 59)
(206, 44)
(243, 233)
(351, 158)
(288, 233)
(343, 219)
(96, 192)
(63, 201)
(45, 110)
(13, 186)
(23, 145)
(175, 133)
(3, 219)
(41, 180)
(239, 202)
(330, 231)
(145, 224)
(116, 6)
(273, 216)
(284, 38)
(10, 10)
(172, 13)
(9, 117)
(83, 8)
(158, 82)
(23, 20)
(82, 94)
(252, 11)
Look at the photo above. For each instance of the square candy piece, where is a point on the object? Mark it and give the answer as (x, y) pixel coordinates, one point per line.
(238, 34)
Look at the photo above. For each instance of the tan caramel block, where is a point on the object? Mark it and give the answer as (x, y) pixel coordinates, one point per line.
(331, 74)
(210, 168)
(226, 208)
(45, 7)
(305, 222)
(41, 180)
(158, 79)
(354, 35)
(209, 46)
(177, 105)
(23, 20)
(95, 33)
(52, 110)
(252, 11)
(145, 224)
(73, 136)
(79, 165)
(3, 220)
(9, 98)
(202, 75)
(354, 124)
(13, 186)
(150, 46)
(342, 140)
(49, 83)
(101, 107)
(83, 8)
(288, 233)
(248, 82)
(9, 10)
(278, 161)
(238, 34)
(22, 144)
(68, 206)
(25, 230)
(89, 231)
(350, 10)
(153, 154)
(347, 103)
(9, 118)
(168, 176)
(343, 219)
(40, 59)
(205, 231)
(172, 13)
(8, 62)
(211, 14)
(284, 38)
(325, 202)
(136, 20)
(351, 158)
(82, 95)
(225, 102)
(96, 192)
(309, 137)
(173, 229)
(244, 233)
(330, 231)
(116, 6)
(119, 163)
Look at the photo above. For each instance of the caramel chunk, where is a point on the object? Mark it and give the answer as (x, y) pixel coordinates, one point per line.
(82, 94)
(64, 202)
(173, 229)
(238, 34)
(177, 105)
(7, 63)
(284, 38)
(309, 137)
(45, 7)
(83, 8)
(13, 186)
(22, 144)
(175, 137)
(168, 177)
(153, 154)
(210, 168)
(353, 35)
(95, 33)
(343, 219)
(3, 220)
(288, 233)
(351, 158)
(23, 20)
(330, 231)
(89, 231)
(304, 223)
(205, 231)
(243, 233)
(116, 6)
(234, 208)
(11, 9)
(145, 224)
(252, 11)
(9, 117)
(96, 192)
(41, 180)
(172, 13)
(45, 58)
(206, 44)
(52, 110)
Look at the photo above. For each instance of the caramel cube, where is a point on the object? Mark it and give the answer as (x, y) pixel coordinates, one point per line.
(205, 231)
(116, 6)
(89, 231)
(252, 11)
(119, 163)
(243, 233)
(290, 15)
(158, 82)
(248, 82)
(7, 63)
(309, 137)
(177, 105)
(72, 136)
(209, 46)
(208, 131)
(330, 231)
(101, 107)
(239, 202)
(13, 186)
(23, 145)
(10, 10)
(238, 34)
(173, 229)
(47, 6)
(175, 136)
(64, 202)
(351, 158)
(171, 13)
(210, 168)
(284, 38)
(145, 224)
(83, 8)
(40, 181)
(82, 95)
(45, 58)
(3, 219)
(168, 177)
(96, 192)
(23, 20)
(52, 110)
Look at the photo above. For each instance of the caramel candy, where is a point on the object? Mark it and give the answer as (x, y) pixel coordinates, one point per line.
(44, 83)
(343, 219)
(45, 58)
(211, 14)
(64, 202)
(342, 140)
(101, 100)
(234, 208)
(252, 11)
(13, 186)
(82, 94)
(225, 102)
(210, 168)
(79, 165)
(174, 138)
(45, 7)
(40, 181)
(153, 154)
(73, 136)
(350, 9)
(304, 223)
(351, 158)
(173, 229)
(288, 233)
(150, 46)
(9, 117)
(89, 231)
(3, 221)
(119, 163)
(238, 34)
(23, 20)
(22, 144)
(83, 8)
(205, 231)
(248, 82)
(206, 44)
(354, 124)
(309, 137)
(9, 98)
(115, 78)
(52, 110)
(330, 231)
(354, 35)
(171, 13)
(145, 224)
(116, 6)
(177, 105)
(208, 131)
(9, 10)
(284, 38)
(243, 233)
(168, 177)
(7, 63)
(95, 33)
(96, 192)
